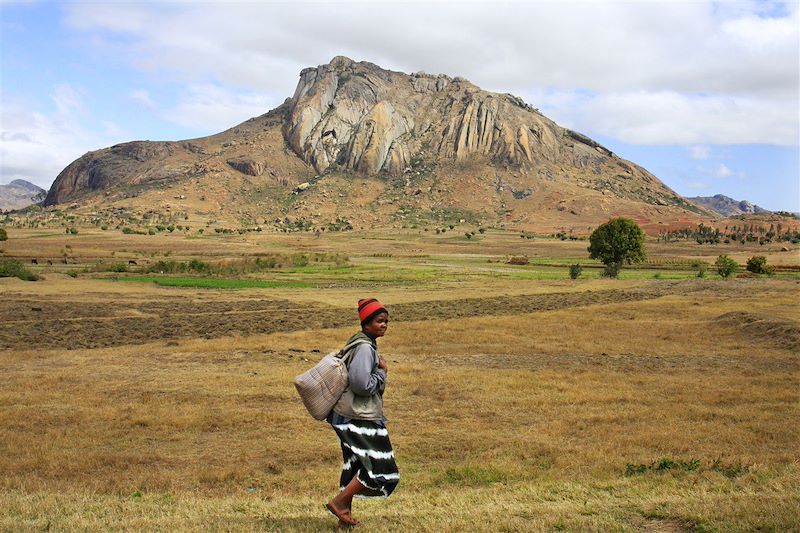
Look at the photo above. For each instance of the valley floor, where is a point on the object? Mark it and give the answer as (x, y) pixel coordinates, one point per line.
(518, 399)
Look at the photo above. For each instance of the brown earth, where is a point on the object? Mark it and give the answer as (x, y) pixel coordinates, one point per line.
(51, 322)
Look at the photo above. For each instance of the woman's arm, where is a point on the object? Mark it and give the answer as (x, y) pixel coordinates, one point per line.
(363, 380)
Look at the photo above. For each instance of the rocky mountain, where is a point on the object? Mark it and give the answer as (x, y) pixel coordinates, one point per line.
(382, 147)
(19, 194)
(727, 206)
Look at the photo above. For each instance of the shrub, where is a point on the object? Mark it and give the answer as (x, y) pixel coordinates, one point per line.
(758, 265)
(701, 270)
(726, 266)
(3, 234)
(616, 242)
(15, 269)
(575, 271)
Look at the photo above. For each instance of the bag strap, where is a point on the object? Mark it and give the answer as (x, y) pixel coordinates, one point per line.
(346, 352)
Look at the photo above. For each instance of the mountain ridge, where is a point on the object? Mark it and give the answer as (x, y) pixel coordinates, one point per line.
(391, 148)
(19, 194)
(727, 206)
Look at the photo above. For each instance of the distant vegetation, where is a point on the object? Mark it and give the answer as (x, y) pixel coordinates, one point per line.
(236, 267)
(216, 283)
(743, 233)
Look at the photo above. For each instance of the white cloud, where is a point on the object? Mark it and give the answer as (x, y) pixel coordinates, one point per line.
(142, 97)
(645, 72)
(723, 171)
(215, 108)
(36, 146)
(699, 152)
(670, 117)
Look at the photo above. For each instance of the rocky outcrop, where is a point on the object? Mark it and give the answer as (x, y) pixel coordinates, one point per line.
(366, 119)
(128, 163)
(246, 165)
(19, 194)
(360, 117)
(727, 206)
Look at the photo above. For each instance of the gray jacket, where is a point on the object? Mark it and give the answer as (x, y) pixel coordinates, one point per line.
(363, 397)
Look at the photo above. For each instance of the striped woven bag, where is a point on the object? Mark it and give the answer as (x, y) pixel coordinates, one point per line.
(321, 386)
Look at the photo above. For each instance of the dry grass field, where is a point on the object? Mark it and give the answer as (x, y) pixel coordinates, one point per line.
(518, 399)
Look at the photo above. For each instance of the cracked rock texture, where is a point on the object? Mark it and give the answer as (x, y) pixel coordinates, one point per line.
(367, 119)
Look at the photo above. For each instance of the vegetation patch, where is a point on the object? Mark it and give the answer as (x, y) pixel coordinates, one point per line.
(214, 283)
(15, 269)
(663, 465)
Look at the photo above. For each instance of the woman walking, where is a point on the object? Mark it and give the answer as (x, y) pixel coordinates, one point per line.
(369, 469)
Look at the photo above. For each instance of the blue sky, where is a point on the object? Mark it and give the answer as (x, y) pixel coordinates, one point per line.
(702, 94)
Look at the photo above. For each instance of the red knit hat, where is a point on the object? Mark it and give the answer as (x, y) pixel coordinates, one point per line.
(368, 308)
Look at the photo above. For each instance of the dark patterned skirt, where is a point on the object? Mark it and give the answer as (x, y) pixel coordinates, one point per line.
(368, 453)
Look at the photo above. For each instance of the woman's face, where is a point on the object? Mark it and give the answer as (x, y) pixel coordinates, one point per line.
(377, 326)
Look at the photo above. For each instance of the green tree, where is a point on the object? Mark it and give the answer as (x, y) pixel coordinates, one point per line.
(3, 234)
(618, 241)
(726, 266)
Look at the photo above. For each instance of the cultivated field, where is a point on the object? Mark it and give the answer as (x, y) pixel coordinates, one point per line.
(143, 394)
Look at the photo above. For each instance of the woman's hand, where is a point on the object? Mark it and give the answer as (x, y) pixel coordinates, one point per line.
(382, 364)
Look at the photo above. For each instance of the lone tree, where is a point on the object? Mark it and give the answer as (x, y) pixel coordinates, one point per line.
(618, 241)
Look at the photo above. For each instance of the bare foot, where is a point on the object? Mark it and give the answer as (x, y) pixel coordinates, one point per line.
(343, 515)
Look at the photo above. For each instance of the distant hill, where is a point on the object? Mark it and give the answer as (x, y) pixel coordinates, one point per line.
(380, 148)
(19, 194)
(727, 206)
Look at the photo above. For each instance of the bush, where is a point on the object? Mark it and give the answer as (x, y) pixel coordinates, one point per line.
(3, 234)
(575, 271)
(758, 265)
(618, 241)
(701, 270)
(15, 269)
(726, 266)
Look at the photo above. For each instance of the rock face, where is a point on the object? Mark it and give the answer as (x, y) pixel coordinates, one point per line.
(433, 143)
(20, 194)
(366, 119)
(727, 206)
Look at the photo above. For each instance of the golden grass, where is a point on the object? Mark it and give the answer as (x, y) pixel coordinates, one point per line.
(522, 422)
